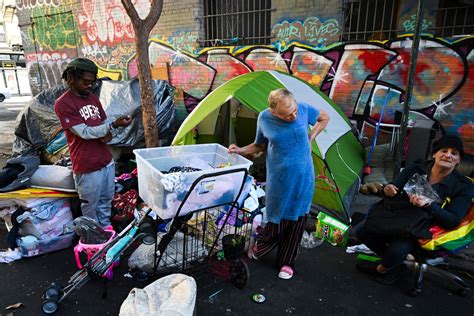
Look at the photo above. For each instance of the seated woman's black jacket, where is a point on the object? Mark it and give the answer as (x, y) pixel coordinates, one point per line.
(458, 188)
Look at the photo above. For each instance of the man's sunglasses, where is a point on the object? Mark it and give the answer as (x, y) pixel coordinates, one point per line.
(87, 81)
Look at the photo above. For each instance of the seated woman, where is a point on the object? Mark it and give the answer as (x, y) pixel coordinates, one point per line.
(454, 189)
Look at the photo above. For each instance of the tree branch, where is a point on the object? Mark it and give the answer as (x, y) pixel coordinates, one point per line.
(153, 16)
(132, 12)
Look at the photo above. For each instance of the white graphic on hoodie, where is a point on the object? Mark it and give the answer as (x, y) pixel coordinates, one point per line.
(90, 112)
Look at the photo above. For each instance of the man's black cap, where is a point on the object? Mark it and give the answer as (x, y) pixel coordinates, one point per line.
(83, 64)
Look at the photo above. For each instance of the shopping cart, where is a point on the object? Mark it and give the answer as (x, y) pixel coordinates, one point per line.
(192, 240)
(210, 239)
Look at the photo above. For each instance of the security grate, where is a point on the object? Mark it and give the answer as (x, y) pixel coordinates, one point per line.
(454, 18)
(236, 22)
(369, 20)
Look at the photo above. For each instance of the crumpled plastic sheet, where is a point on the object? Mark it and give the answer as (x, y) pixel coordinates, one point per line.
(10, 255)
(419, 185)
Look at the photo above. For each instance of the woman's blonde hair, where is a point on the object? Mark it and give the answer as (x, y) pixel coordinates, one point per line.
(278, 95)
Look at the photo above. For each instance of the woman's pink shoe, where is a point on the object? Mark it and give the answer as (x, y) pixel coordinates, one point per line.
(286, 273)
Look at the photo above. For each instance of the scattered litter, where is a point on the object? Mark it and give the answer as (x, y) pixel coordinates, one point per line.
(259, 298)
(408, 305)
(7, 256)
(320, 299)
(436, 261)
(14, 306)
(359, 248)
(211, 297)
(128, 275)
(290, 310)
(310, 240)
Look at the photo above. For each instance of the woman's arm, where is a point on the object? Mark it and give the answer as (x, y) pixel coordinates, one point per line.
(452, 214)
(397, 184)
(321, 123)
(246, 150)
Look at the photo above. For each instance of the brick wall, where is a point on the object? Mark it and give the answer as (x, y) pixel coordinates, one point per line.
(306, 43)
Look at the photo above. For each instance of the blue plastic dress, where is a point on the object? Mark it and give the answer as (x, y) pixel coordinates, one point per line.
(290, 172)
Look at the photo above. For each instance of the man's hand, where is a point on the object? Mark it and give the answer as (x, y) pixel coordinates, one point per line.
(390, 190)
(107, 138)
(122, 121)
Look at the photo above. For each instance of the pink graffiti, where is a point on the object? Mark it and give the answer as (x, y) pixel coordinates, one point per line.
(106, 21)
(226, 66)
(353, 69)
(438, 72)
(266, 59)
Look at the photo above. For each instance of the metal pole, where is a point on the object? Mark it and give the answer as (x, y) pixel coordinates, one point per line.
(409, 89)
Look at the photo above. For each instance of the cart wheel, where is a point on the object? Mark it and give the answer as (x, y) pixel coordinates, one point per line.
(53, 291)
(50, 306)
(239, 273)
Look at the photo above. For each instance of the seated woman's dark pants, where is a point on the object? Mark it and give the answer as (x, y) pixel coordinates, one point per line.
(393, 250)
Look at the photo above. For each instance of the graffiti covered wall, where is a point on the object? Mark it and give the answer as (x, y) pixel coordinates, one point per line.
(360, 77)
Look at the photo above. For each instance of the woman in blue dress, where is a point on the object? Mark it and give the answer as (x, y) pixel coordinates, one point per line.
(282, 131)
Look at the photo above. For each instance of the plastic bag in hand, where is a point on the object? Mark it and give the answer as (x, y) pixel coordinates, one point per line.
(419, 185)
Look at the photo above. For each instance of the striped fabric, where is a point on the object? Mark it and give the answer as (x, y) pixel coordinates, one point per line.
(286, 235)
(452, 240)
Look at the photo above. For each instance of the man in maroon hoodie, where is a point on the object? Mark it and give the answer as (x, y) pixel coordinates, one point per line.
(87, 131)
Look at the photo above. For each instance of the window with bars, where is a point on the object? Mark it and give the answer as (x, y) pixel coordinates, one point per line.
(454, 17)
(369, 20)
(236, 22)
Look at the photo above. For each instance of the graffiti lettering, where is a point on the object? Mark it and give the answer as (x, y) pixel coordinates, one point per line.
(54, 30)
(107, 22)
(30, 4)
(409, 25)
(315, 29)
(288, 33)
(311, 31)
(184, 41)
(45, 70)
(94, 51)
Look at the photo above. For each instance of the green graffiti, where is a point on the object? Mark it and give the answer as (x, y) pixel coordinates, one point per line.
(53, 30)
(409, 25)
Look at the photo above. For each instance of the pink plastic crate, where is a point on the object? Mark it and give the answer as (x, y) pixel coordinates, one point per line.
(91, 249)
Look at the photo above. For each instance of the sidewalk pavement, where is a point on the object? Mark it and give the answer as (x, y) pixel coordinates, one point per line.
(325, 283)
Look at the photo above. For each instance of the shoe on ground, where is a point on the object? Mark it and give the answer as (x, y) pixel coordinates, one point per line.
(366, 266)
(392, 275)
(285, 273)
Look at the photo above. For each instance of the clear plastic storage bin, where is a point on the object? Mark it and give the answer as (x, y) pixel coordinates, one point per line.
(164, 191)
(42, 246)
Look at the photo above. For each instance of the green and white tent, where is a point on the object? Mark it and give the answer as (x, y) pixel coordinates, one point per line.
(229, 115)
